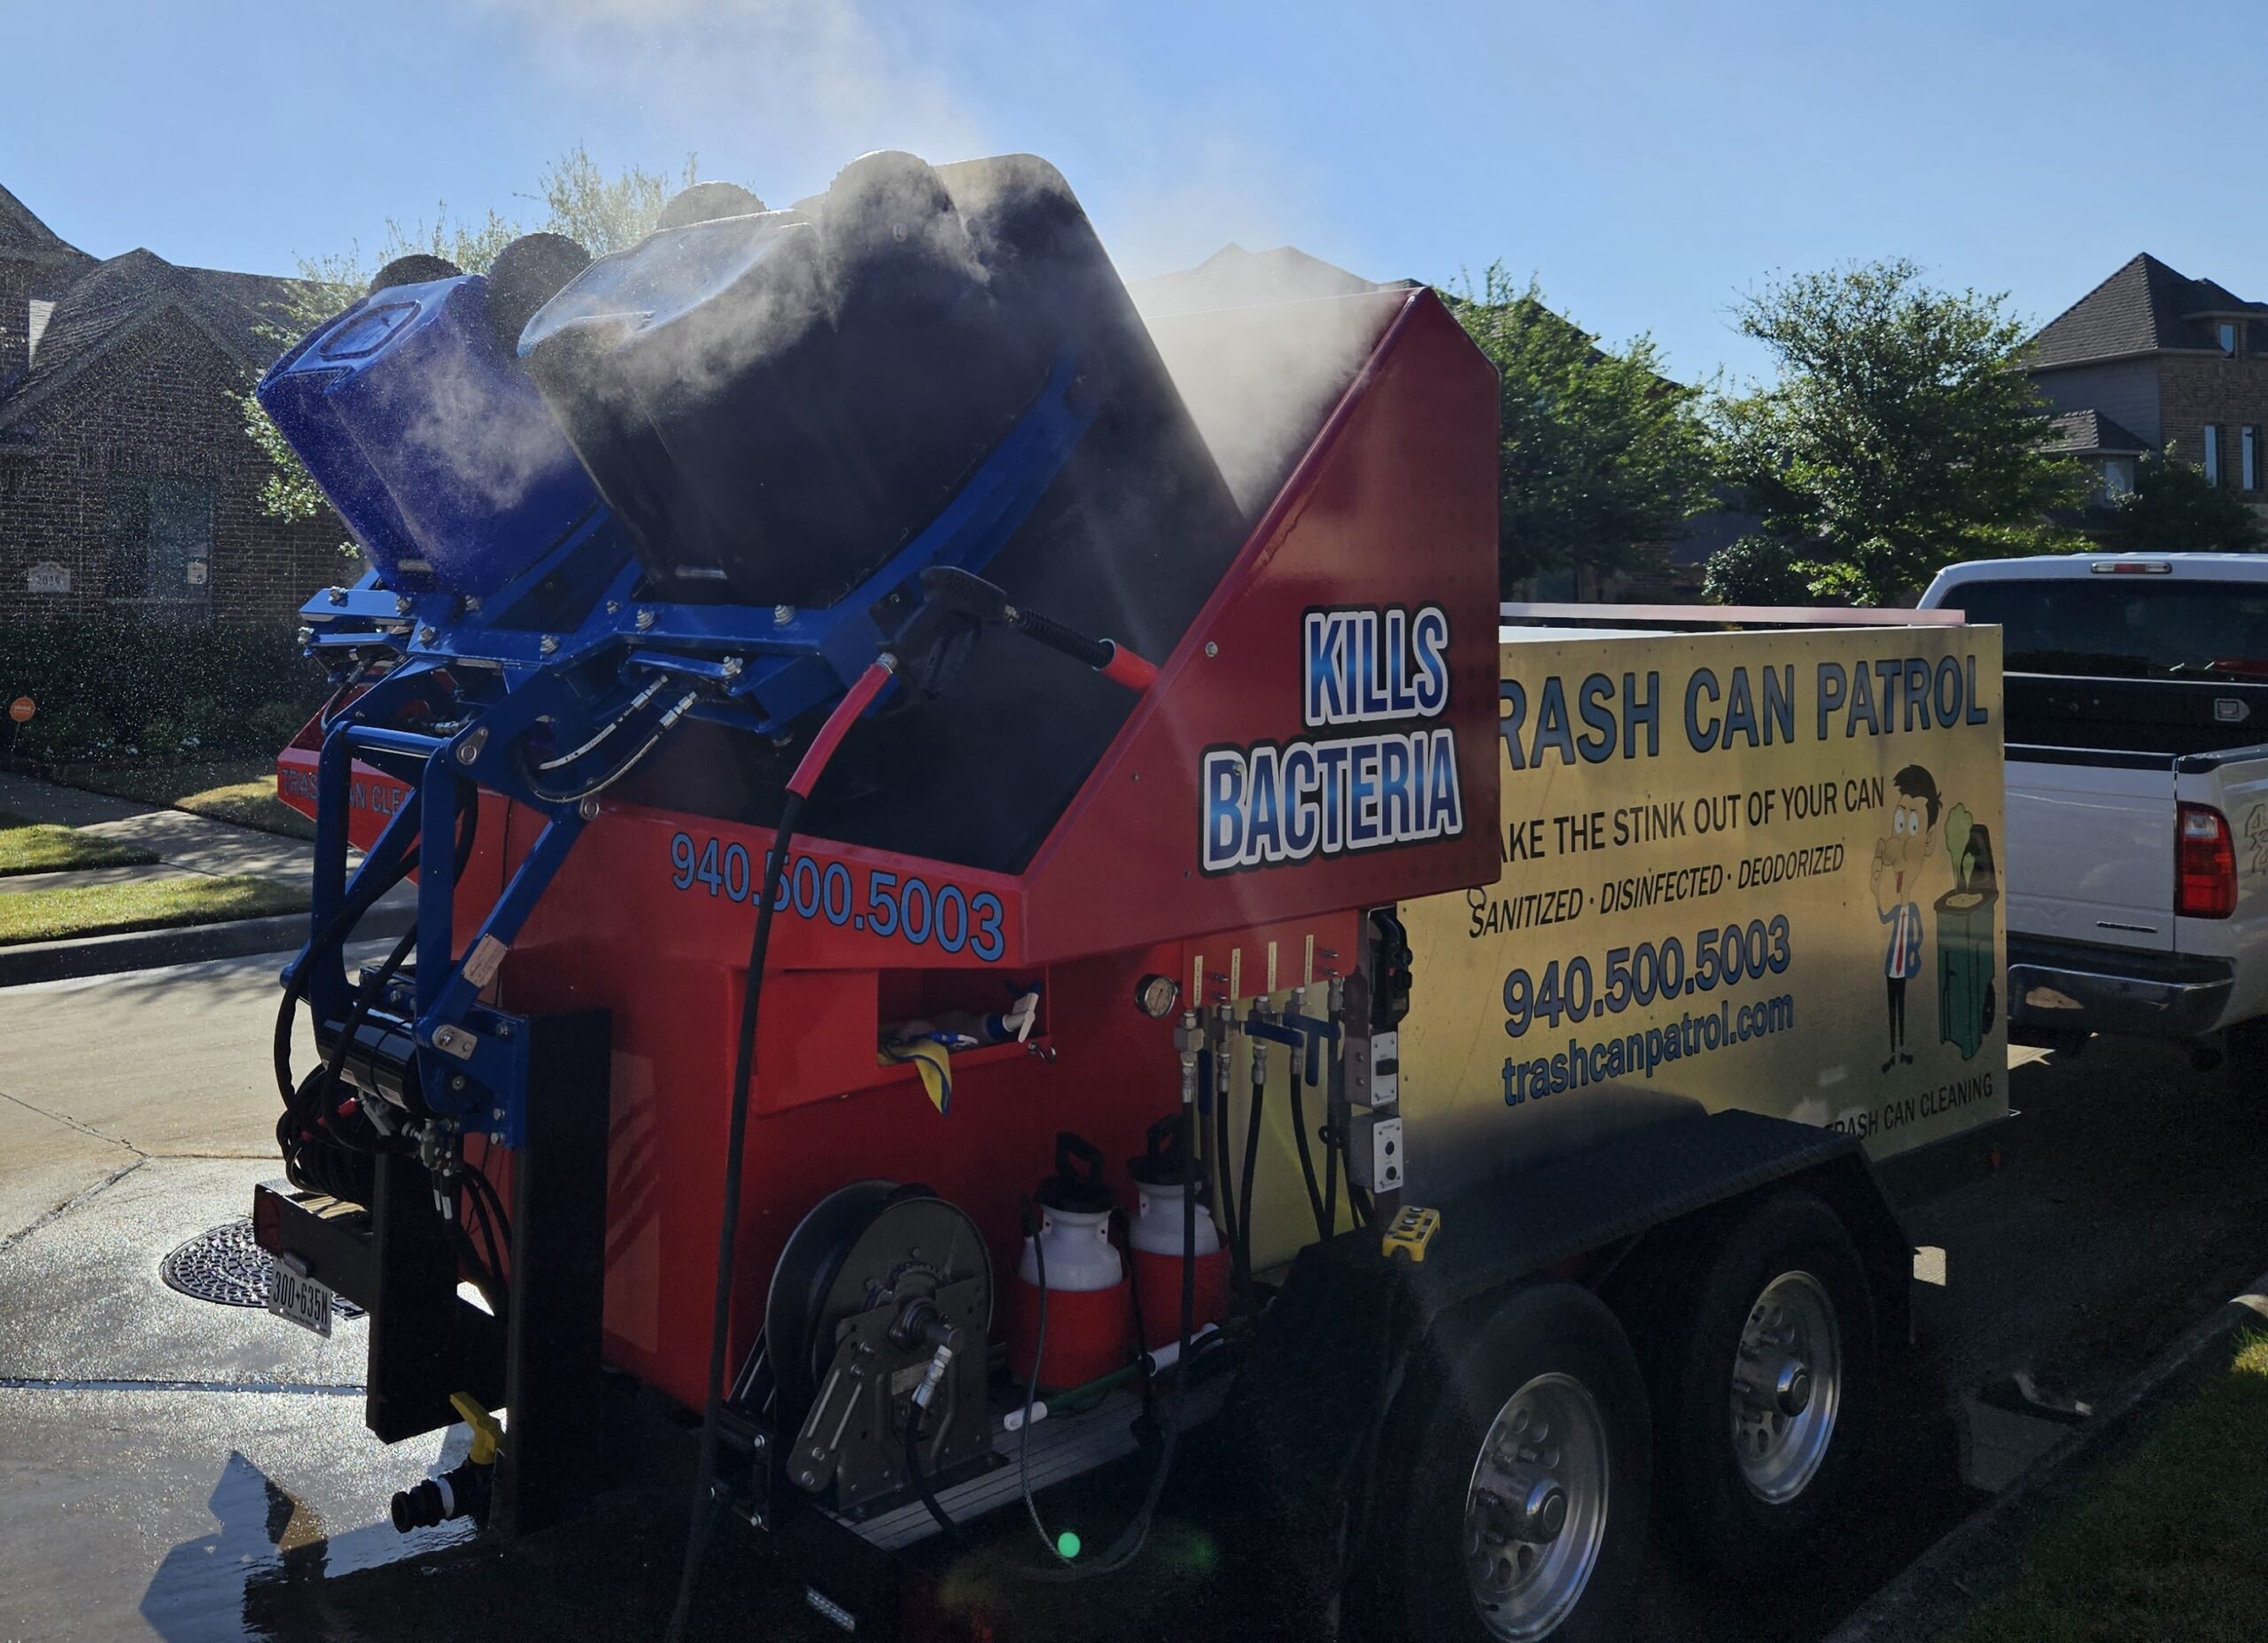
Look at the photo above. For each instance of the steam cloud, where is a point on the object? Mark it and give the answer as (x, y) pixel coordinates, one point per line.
(816, 84)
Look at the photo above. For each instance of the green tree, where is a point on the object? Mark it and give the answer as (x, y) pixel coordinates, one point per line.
(603, 214)
(1900, 436)
(2172, 509)
(1601, 452)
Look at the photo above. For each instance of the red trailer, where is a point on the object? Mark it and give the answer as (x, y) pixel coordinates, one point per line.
(1213, 879)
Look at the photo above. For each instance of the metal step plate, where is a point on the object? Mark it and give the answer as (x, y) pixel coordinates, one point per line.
(1063, 1446)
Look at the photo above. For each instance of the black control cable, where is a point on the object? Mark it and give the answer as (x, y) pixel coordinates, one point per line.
(706, 1503)
(1323, 1217)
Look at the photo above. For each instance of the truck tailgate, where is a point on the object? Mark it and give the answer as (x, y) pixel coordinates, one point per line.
(2092, 838)
(2235, 783)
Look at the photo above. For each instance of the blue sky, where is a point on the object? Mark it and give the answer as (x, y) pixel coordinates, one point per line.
(1649, 162)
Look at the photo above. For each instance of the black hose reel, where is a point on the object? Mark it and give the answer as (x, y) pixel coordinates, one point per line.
(881, 1291)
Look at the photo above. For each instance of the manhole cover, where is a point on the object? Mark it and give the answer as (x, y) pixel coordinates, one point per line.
(227, 1266)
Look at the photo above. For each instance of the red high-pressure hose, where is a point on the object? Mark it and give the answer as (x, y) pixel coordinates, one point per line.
(814, 760)
(1114, 663)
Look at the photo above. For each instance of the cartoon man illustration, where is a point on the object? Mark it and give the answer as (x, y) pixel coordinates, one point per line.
(1899, 856)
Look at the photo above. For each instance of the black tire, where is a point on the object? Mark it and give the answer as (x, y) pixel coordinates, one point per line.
(416, 268)
(1469, 1372)
(1715, 1512)
(527, 273)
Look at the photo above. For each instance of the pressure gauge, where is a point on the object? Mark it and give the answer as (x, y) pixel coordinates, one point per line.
(1157, 994)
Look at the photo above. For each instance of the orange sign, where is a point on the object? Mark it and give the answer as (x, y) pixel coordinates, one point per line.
(22, 708)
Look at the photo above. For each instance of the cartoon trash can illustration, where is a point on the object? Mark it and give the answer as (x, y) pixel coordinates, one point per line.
(1967, 970)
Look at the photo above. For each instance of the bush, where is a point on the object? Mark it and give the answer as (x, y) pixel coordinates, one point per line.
(1754, 570)
(159, 688)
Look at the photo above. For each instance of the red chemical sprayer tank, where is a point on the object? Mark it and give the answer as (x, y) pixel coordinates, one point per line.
(1068, 1319)
(1162, 1176)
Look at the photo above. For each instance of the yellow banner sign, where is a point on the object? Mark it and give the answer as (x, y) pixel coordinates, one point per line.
(1753, 870)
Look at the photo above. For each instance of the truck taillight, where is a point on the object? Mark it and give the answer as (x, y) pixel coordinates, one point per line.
(2204, 864)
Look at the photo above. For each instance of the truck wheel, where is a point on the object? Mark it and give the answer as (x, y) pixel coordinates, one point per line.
(1761, 1384)
(1523, 1505)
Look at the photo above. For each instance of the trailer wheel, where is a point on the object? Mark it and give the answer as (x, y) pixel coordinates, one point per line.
(1522, 1509)
(1762, 1383)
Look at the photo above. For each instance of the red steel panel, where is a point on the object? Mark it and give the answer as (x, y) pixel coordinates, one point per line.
(1393, 506)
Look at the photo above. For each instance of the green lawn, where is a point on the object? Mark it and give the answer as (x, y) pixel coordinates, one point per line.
(240, 789)
(153, 904)
(2166, 1539)
(36, 847)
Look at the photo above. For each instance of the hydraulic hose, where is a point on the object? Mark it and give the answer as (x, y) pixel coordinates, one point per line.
(1252, 1166)
(1323, 1217)
(334, 934)
(815, 759)
(1224, 1181)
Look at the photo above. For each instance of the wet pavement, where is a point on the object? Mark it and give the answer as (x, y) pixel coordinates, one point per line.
(177, 1469)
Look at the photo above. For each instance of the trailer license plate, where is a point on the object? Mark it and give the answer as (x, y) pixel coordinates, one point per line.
(301, 1300)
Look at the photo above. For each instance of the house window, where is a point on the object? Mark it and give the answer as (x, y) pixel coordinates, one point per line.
(2228, 337)
(2212, 454)
(36, 326)
(2250, 475)
(2117, 478)
(158, 542)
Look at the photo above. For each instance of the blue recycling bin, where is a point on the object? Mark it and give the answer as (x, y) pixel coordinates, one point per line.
(420, 424)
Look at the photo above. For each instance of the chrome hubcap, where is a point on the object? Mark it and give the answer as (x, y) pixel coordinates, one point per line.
(1536, 1509)
(1787, 1387)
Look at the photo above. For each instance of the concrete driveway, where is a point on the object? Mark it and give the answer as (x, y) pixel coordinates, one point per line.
(171, 1468)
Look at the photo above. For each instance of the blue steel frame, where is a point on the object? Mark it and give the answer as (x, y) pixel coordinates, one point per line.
(488, 676)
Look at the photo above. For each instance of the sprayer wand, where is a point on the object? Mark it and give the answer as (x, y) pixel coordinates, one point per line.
(956, 592)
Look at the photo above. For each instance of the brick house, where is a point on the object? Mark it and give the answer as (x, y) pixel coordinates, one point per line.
(127, 480)
(2152, 359)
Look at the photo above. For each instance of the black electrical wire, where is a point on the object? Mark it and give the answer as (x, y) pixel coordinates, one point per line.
(920, 1477)
(1134, 1295)
(485, 1272)
(494, 1208)
(1031, 1384)
(333, 934)
(1330, 1180)
(1358, 1201)
(1306, 1157)
(1258, 1099)
(735, 1147)
(1224, 1181)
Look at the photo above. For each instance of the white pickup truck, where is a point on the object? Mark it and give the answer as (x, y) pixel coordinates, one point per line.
(2136, 858)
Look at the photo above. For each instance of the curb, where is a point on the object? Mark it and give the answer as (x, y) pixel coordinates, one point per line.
(1928, 1598)
(148, 949)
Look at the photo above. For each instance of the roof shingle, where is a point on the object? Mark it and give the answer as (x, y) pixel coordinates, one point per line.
(2090, 433)
(116, 298)
(2145, 308)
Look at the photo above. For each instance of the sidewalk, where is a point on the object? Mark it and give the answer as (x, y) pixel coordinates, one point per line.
(185, 845)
